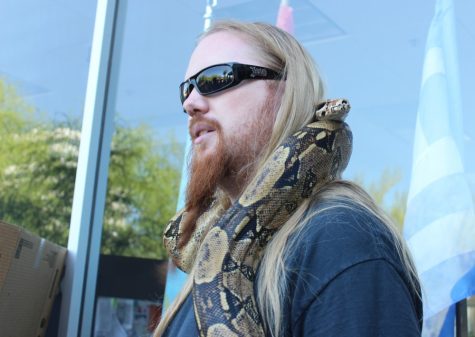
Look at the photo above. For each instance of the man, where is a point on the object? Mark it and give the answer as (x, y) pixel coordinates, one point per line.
(274, 242)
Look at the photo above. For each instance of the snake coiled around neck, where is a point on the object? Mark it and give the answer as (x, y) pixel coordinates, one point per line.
(227, 245)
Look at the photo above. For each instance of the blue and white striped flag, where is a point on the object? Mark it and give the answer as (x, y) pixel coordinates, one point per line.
(440, 218)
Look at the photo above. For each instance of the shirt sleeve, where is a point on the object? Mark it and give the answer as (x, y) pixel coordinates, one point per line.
(368, 299)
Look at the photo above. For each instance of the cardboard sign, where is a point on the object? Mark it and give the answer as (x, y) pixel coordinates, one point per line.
(30, 272)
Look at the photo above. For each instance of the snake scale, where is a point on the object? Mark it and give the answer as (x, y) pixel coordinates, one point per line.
(227, 245)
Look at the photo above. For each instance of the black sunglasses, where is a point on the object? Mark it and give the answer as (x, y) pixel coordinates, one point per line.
(219, 77)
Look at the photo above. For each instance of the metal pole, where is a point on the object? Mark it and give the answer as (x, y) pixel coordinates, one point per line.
(89, 191)
(461, 322)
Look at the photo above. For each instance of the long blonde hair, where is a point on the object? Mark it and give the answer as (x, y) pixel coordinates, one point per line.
(299, 94)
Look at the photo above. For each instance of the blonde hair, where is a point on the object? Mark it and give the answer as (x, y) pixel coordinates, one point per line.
(299, 94)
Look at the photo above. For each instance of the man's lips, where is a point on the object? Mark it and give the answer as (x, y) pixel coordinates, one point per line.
(199, 131)
(201, 137)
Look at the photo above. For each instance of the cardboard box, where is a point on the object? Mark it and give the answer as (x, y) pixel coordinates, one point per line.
(30, 272)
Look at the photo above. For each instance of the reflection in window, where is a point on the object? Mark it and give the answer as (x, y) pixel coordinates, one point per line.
(43, 72)
(144, 177)
(38, 160)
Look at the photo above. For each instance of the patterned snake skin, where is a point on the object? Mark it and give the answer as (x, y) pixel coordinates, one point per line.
(228, 245)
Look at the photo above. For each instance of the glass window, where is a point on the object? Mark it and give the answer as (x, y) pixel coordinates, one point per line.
(43, 73)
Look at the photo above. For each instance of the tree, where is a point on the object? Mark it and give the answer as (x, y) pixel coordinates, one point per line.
(144, 178)
(38, 162)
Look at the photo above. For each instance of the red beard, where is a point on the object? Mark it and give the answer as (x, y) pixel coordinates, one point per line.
(233, 159)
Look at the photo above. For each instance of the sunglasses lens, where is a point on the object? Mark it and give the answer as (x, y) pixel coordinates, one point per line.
(185, 89)
(215, 79)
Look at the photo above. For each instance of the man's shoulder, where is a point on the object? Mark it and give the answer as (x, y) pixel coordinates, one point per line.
(336, 235)
(346, 224)
(340, 244)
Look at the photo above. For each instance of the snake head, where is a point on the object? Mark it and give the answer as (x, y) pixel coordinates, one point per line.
(333, 109)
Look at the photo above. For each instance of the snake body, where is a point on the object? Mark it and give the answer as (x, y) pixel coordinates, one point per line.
(229, 245)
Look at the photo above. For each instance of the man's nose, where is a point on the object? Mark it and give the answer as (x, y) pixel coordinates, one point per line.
(195, 103)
